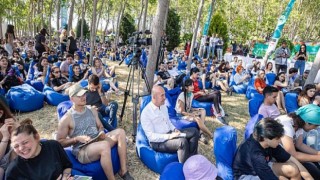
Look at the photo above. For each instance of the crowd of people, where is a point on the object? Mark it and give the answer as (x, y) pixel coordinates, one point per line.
(275, 149)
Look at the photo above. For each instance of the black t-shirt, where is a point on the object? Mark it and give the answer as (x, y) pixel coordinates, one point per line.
(49, 164)
(73, 43)
(252, 159)
(56, 82)
(93, 98)
(40, 39)
(77, 78)
(164, 75)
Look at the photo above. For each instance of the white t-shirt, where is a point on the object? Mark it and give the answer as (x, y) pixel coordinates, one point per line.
(189, 102)
(287, 123)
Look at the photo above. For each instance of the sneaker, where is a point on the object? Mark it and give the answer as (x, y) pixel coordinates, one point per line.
(222, 120)
(203, 139)
(127, 176)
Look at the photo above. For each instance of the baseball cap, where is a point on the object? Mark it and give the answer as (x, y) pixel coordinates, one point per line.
(198, 167)
(76, 90)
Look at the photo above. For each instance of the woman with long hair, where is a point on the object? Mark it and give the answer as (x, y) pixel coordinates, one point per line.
(204, 96)
(301, 57)
(9, 37)
(306, 96)
(256, 68)
(8, 76)
(59, 83)
(40, 69)
(71, 43)
(281, 83)
(296, 124)
(260, 82)
(269, 67)
(222, 78)
(99, 70)
(63, 41)
(185, 110)
(36, 159)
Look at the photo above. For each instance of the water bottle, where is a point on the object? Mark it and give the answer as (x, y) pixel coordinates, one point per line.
(311, 139)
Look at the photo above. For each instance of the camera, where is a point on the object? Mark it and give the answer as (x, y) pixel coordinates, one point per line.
(137, 39)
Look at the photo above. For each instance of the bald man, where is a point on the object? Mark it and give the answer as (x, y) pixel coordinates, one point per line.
(162, 135)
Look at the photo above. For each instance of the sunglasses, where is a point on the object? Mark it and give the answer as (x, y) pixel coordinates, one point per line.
(56, 72)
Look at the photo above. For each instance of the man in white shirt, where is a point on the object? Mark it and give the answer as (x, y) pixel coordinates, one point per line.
(162, 135)
(268, 107)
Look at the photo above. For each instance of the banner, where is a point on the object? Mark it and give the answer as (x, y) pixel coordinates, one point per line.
(207, 24)
(278, 31)
(260, 49)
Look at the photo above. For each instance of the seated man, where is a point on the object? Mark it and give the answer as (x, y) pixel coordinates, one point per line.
(164, 77)
(96, 97)
(161, 133)
(268, 107)
(80, 124)
(300, 81)
(64, 67)
(254, 158)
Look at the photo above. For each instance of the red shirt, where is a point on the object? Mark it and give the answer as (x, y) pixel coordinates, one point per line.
(196, 88)
(259, 83)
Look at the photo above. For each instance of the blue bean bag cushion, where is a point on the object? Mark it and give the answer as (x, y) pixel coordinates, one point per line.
(254, 104)
(291, 101)
(53, 97)
(24, 98)
(156, 161)
(270, 78)
(38, 85)
(225, 145)
(206, 105)
(250, 125)
(251, 91)
(173, 171)
(93, 169)
(84, 83)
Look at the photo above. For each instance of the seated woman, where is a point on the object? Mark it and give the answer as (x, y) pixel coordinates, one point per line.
(8, 76)
(241, 78)
(21, 69)
(222, 77)
(281, 83)
(59, 83)
(184, 110)
(85, 66)
(296, 124)
(259, 82)
(269, 67)
(256, 68)
(7, 124)
(39, 160)
(40, 69)
(99, 70)
(210, 76)
(262, 157)
(204, 96)
(77, 74)
(307, 95)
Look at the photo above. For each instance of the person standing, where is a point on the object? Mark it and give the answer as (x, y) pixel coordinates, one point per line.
(212, 45)
(41, 45)
(72, 43)
(63, 41)
(9, 39)
(301, 57)
(219, 48)
(282, 54)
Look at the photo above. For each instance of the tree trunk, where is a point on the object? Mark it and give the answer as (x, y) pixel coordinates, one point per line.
(107, 22)
(1, 35)
(314, 70)
(122, 8)
(158, 29)
(195, 32)
(140, 15)
(42, 18)
(58, 17)
(100, 14)
(83, 12)
(93, 32)
(144, 17)
(33, 19)
(49, 21)
(70, 19)
(166, 17)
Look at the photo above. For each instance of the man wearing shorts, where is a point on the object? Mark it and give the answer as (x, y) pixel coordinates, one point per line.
(80, 124)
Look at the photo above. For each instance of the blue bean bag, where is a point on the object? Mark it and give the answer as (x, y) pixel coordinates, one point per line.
(291, 101)
(53, 97)
(38, 85)
(93, 169)
(24, 98)
(84, 83)
(250, 125)
(156, 161)
(182, 65)
(251, 92)
(173, 171)
(254, 104)
(225, 145)
(270, 78)
(206, 105)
